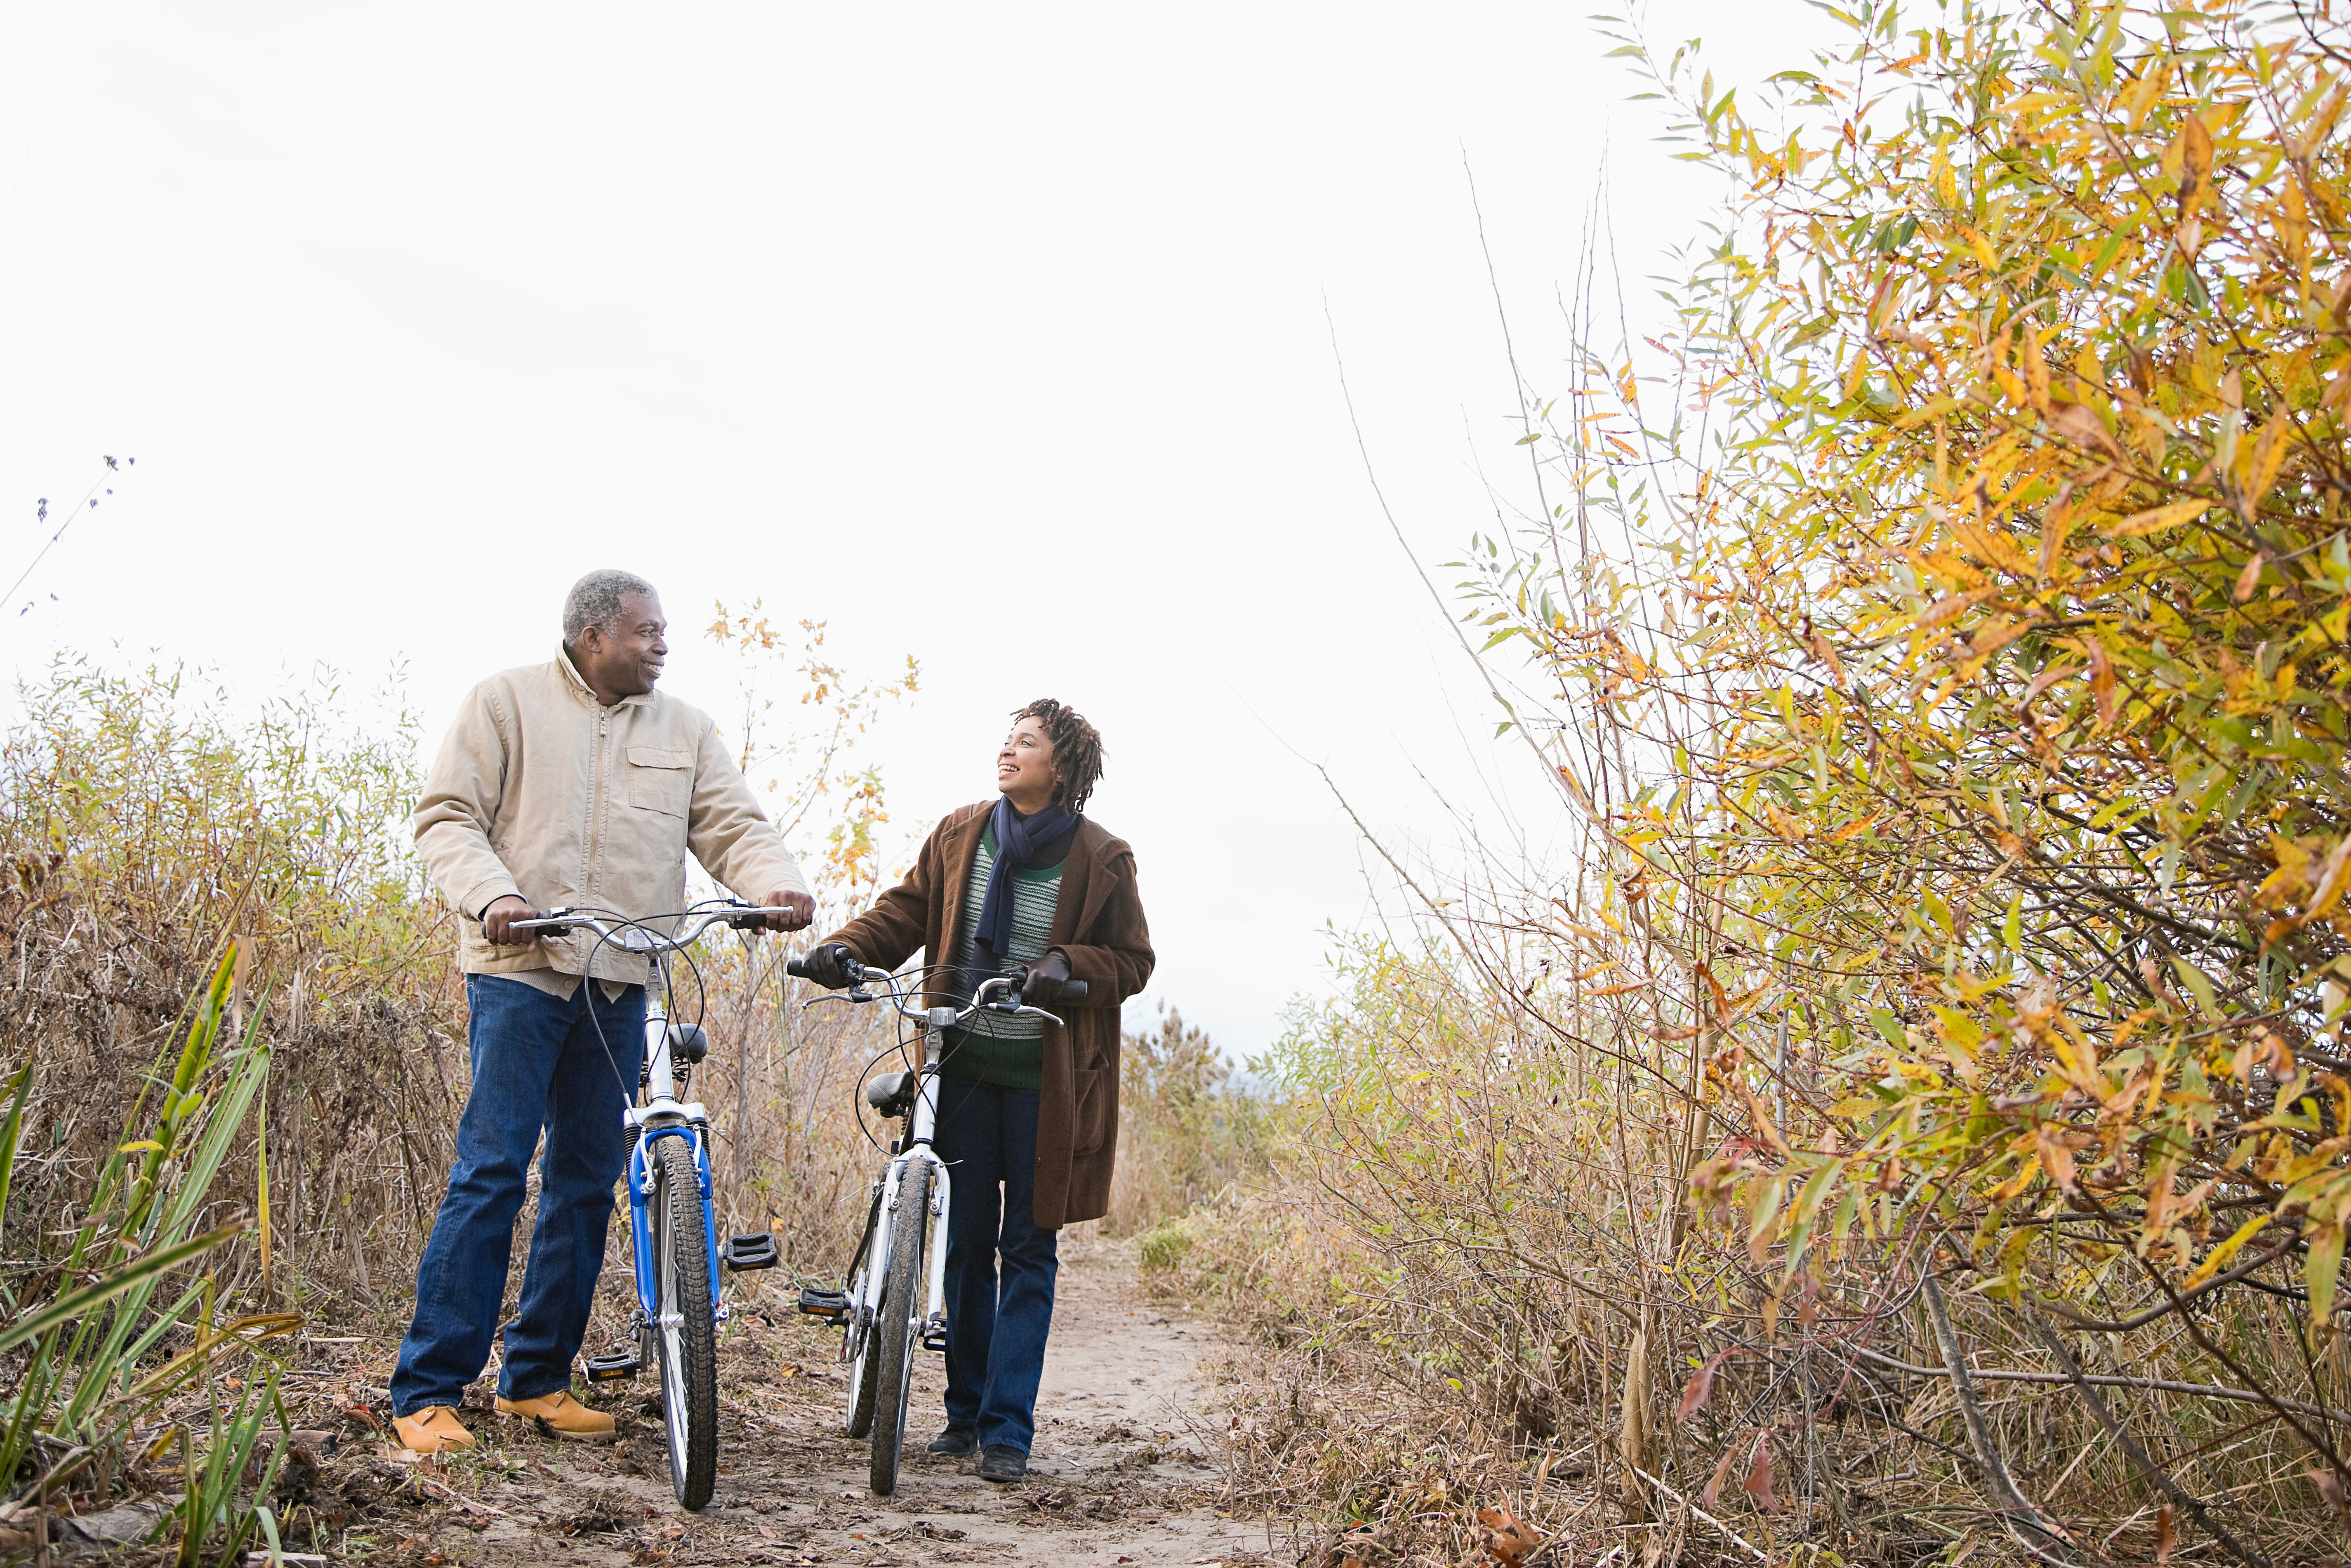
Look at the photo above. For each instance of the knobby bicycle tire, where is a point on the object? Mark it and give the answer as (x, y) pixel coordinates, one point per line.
(689, 1348)
(858, 1347)
(898, 1324)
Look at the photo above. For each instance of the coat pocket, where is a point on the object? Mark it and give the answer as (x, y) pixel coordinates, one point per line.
(659, 779)
(1096, 1113)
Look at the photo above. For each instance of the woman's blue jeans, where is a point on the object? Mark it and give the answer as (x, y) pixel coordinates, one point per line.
(540, 1063)
(995, 1325)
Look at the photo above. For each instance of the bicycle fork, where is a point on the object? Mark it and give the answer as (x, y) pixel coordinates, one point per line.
(892, 1214)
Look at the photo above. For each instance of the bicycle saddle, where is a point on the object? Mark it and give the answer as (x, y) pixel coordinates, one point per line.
(689, 1042)
(891, 1093)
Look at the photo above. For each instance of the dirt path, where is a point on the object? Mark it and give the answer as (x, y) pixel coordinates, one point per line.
(1122, 1472)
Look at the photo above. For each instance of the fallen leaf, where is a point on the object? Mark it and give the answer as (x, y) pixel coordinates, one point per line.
(1511, 1539)
(1721, 1473)
(2330, 1487)
(1701, 1388)
(1758, 1484)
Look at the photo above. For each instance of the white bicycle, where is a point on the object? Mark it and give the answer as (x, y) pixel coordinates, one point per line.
(893, 1296)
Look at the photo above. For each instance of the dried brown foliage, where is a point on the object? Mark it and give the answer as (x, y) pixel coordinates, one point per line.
(1909, 1120)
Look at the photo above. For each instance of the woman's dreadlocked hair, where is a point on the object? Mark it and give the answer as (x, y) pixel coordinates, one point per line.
(1077, 750)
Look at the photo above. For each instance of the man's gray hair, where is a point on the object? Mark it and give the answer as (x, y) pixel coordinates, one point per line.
(595, 600)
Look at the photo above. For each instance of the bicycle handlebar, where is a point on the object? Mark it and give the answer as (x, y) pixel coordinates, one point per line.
(862, 975)
(630, 935)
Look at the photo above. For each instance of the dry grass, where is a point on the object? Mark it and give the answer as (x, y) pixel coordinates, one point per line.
(1472, 1280)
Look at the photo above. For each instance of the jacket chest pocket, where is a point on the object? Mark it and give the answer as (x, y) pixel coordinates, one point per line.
(659, 780)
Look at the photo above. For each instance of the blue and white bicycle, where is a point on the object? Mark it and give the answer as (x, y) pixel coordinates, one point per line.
(671, 1217)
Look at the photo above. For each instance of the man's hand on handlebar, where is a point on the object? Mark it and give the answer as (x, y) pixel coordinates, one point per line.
(1041, 983)
(824, 965)
(500, 916)
(793, 911)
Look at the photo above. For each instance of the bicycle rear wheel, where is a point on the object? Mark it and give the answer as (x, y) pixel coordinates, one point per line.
(898, 1322)
(686, 1328)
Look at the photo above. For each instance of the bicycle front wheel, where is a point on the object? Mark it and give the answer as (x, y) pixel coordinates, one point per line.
(898, 1322)
(685, 1330)
(859, 1349)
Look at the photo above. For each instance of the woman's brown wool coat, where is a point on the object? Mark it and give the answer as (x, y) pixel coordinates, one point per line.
(1098, 925)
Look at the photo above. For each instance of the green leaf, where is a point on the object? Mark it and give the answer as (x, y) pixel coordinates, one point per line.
(9, 1133)
(2201, 984)
(2320, 1270)
(130, 1277)
(1961, 1028)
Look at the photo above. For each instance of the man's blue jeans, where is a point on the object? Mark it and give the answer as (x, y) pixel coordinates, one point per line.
(996, 1329)
(539, 1063)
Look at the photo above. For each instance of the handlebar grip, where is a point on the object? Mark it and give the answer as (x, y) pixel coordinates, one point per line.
(858, 973)
(1073, 990)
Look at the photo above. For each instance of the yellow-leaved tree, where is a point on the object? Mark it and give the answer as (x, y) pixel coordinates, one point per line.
(1982, 626)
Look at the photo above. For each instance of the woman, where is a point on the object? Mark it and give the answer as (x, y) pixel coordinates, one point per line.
(1026, 887)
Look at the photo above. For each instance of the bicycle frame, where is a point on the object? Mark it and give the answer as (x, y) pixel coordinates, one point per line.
(923, 1128)
(662, 1115)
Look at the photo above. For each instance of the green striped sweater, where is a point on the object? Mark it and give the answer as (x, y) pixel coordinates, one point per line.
(994, 1049)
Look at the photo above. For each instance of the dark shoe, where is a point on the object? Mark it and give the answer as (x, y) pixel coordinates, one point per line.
(1003, 1462)
(956, 1442)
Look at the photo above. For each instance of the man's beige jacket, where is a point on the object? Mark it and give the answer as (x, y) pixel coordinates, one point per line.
(542, 790)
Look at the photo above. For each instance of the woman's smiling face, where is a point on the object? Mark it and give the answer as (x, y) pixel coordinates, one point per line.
(1024, 768)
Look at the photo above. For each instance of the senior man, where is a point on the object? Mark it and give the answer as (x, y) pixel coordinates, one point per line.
(570, 782)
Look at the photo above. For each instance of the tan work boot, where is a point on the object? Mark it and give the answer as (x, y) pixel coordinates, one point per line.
(431, 1430)
(560, 1415)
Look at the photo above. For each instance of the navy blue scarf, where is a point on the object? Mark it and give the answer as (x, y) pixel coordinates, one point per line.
(1021, 843)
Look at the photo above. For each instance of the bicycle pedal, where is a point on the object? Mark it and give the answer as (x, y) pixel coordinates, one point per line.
(618, 1368)
(935, 1333)
(833, 1305)
(757, 1251)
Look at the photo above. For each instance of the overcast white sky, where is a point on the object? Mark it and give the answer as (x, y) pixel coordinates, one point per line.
(993, 334)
